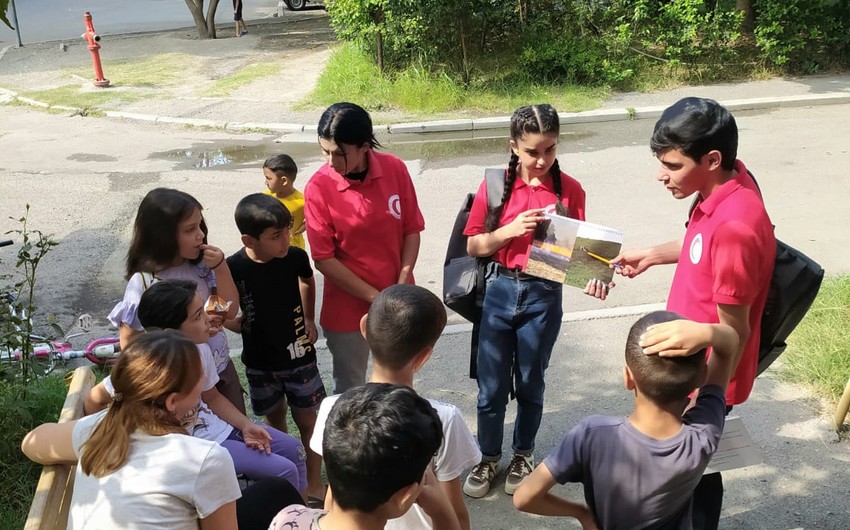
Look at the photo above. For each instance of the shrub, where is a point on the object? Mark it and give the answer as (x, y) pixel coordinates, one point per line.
(22, 408)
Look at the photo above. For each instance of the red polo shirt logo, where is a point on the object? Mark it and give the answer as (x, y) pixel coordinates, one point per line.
(696, 249)
(394, 206)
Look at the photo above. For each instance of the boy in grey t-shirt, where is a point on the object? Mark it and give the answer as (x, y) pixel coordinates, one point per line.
(640, 471)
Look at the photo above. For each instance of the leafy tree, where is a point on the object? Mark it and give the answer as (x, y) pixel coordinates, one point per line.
(204, 24)
(4, 6)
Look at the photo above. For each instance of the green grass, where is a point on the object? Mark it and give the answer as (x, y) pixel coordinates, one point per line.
(245, 75)
(154, 71)
(22, 409)
(76, 96)
(352, 76)
(818, 353)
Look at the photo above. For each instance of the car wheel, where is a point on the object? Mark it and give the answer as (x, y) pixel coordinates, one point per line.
(296, 5)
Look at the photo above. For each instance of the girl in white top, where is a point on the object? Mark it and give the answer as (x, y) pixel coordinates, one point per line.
(138, 469)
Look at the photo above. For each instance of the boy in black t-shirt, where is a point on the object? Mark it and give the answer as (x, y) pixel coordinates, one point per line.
(277, 294)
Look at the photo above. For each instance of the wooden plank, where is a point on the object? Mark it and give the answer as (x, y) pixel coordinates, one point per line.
(51, 503)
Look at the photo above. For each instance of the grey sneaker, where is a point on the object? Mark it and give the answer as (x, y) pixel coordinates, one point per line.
(520, 467)
(478, 482)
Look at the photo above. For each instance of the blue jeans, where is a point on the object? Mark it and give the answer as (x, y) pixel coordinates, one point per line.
(519, 326)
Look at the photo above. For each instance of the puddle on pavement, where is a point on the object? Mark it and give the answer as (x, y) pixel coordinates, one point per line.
(434, 150)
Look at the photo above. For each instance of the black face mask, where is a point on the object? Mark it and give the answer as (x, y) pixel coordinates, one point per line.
(359, 176)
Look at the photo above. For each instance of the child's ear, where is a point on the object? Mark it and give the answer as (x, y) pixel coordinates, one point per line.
(421, 358)
(171, 402)
(402, 500)
(248, 241)
(628, 379)
(363, 321)
(514, 147)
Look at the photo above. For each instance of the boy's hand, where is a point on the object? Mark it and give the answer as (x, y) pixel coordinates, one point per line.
(598, 288)
(677, 338)
(256, 437)
(434, 502)
(311, 330)
(525, 222)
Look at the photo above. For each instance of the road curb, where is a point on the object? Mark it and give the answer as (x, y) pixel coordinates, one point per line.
(457, 125)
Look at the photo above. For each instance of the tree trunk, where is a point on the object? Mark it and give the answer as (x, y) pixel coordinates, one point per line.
(380, 52)
(211, 9)
(749, 24)
(196, 7)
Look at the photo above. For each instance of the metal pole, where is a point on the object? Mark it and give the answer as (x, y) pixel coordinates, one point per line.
(15, 22)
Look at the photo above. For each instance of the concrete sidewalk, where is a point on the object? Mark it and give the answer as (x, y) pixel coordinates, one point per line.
(299, 44)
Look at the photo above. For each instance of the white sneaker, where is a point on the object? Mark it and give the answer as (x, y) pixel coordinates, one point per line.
(520, 467)
(480, 477)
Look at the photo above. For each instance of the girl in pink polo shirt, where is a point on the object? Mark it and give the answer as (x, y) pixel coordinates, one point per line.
(363, 224)
(521, 317)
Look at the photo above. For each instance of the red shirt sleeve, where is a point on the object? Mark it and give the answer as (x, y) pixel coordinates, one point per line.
(734, 257)
(320, 229)
(478, 214)
(413, 221)
(575, 195)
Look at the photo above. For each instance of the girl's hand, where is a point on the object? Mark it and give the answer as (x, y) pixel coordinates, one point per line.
(677, 338)
(256, 437)
(525, 222)
(216, 323)
(631, 263)
(598, 288)
(213, 256)
(312, 332)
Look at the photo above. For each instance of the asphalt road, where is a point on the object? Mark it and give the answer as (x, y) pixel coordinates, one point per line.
(47, 20)
(84, 178)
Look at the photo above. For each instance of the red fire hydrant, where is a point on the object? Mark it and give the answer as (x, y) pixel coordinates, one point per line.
(93, 39)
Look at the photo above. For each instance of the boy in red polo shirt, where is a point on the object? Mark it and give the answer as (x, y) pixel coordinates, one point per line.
(363, 224)
(724, 262)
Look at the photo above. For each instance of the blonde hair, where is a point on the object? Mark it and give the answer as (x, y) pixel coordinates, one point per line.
(153, 366)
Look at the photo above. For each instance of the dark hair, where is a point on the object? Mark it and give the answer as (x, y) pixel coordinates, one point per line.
(282, 165)
(403, 320)
(530, 119)
(258, 212)
(379, 438)
(154, 245)
(697, 126)
(165, 304)
(662, 379)
(347, 123)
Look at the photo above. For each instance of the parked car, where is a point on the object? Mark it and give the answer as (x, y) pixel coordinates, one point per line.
(298, 5)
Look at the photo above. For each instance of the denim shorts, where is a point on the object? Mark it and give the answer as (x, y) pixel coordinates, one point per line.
(302, 387)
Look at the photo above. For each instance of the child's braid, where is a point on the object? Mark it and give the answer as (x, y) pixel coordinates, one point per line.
(555, 173)
(495, 214)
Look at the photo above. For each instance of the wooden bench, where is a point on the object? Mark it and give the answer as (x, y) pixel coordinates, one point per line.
(52, 500)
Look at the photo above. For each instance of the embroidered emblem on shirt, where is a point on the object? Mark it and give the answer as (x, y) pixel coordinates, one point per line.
(394, 205)
(696, 249)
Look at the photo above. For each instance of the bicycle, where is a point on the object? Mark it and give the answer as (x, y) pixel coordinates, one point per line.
(46, 353)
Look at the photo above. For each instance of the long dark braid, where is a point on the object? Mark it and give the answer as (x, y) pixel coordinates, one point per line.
(494, 214)
(555, 173)
(529, 119)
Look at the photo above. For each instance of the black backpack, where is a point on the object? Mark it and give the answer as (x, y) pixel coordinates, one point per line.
(463, 275)
(793, 287)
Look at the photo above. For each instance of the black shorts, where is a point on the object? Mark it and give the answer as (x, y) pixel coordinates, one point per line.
(302, 387)
(237, 10)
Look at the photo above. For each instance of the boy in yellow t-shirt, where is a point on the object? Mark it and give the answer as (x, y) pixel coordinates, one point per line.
(280, 172)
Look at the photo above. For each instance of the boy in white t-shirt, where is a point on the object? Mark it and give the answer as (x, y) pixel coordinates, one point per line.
(402, 326)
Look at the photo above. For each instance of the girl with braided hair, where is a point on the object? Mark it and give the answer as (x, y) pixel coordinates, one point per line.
(521, 317)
